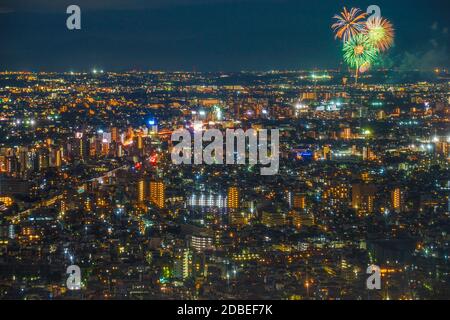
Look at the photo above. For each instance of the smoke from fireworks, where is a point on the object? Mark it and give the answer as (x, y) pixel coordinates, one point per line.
(349, 23)
(380, 32)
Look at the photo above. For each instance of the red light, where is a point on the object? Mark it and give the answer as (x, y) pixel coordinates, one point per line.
(153, 159)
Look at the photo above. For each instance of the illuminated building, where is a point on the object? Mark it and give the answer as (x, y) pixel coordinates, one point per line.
(299, 219)
(44, 160)
(29, 234)
(105, 148)
(327, 153)
(397, 201)
(55, 158)
(63, 207)
(2, 164)
(365, 176)
(337, 194)
(295, 218)
(245, 256)
(141, 191)
(307, 219)
(299, 224)
(23, 160)
(211, 200)
(79, 147)
(140, 142)
(363, 197)
(157, 193)
(381, 115)
(442, 147)
(299, 201)
(273, 218)
(88, 204)
(346, 134)
(233, 198)
(84, 149)
(233, 204)
(309, 96)
(396, 112)
(237, 110)
(181, 264)
(8, 201)
(200, 242)
(368, 155)
(239, 218)
(115, 134)
(11, 232)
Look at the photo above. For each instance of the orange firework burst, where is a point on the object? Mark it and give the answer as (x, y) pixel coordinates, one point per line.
(380, 32)
(349, 23)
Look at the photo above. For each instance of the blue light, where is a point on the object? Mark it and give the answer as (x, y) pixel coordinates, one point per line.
(151, 122)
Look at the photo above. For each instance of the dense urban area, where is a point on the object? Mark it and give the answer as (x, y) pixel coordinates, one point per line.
(86, 179)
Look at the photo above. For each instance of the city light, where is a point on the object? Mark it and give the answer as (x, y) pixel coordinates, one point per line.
(192, 152)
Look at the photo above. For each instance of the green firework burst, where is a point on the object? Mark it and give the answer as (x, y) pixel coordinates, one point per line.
(359, 50)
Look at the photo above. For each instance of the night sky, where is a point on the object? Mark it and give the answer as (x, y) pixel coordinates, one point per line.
(208, 35)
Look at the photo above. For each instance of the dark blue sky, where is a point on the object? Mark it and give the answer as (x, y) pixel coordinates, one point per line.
(207, 35)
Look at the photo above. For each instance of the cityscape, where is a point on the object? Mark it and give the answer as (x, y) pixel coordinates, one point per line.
(87, 180)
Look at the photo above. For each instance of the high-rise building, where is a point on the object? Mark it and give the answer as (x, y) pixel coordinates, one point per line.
(114, 134)
(299, 201)
(363, 197)
(88, 204)
(79, 147)
(327, 152)
(55, 158)
(140, 142)
(141, 191)
(368, 154)
(157, 193)
(233, 198)
(443, 148)
(397, 201)
(2, 164)
(346, 134)
(181, 264)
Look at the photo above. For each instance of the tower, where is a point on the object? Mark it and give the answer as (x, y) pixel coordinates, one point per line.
(233, 198)
(157, 193)
(141, 191)
(397, 200)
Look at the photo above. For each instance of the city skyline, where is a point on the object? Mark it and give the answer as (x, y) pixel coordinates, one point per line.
(143, 156)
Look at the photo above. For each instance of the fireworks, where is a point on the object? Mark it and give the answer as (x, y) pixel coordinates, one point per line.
(380, 32)
(359, 51)
(349, 23)
(365, 67)
(363, 40)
